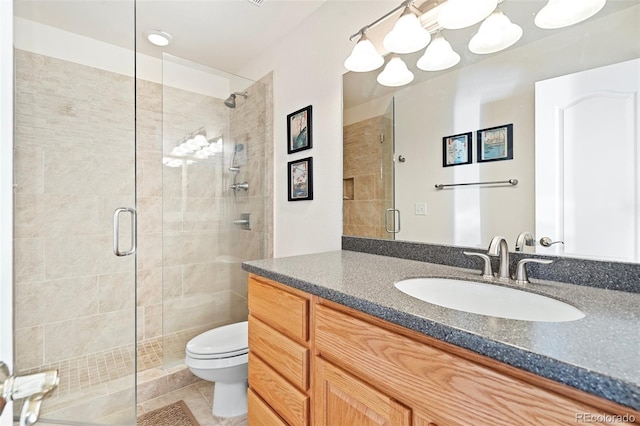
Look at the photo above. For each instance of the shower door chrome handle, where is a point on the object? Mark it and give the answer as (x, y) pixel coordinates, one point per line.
(116, 231)
(396, 213)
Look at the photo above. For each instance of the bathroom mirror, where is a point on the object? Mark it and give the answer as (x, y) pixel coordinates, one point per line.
(486, 91)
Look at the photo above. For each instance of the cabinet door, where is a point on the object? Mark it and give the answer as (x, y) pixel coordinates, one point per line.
(342, 399)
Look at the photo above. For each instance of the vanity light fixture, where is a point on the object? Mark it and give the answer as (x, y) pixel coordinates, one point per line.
(496, 33)
(158, 38)
(456, 14)
(395, 73)
(439, 55)
(563, 13)
(364, 56)
(408, 35)
(414, 27)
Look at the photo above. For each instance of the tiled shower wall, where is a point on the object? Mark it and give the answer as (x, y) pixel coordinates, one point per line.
(204, 286)
(74, 163)
(367, 177)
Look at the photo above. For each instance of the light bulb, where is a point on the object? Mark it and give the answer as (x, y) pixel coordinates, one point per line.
(201, 140)
(438, 55)
(407, 35)
(456, 14)
(563, 13)
(496, 33)
(364, 57)
(395, 73)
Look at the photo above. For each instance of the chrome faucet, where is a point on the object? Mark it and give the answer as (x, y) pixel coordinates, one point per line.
(521, 270)
(524, 239)
(33, 387)
(499, 247)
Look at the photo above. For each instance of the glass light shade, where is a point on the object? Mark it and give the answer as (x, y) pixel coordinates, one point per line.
(496, 33)
(563, 13)
(201, 140)
(395, 73)
(439, 55)
(192, 145)
(364, 57)
(180, 152)
(407, 36)
(456, 14)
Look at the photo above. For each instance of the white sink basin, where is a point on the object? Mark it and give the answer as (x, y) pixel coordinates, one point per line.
(488, 299)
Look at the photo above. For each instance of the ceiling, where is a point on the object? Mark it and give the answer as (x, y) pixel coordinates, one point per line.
(222, 34)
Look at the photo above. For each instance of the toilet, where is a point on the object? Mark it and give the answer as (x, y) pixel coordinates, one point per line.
(221, 355)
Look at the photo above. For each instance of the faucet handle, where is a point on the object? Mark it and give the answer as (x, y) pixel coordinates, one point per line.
(487, 272)
(521, 269)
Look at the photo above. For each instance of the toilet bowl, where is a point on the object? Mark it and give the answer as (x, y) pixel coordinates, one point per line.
(221, 355)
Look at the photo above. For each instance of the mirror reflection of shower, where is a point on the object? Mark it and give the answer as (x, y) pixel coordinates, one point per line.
(231, 100)
(193, 147)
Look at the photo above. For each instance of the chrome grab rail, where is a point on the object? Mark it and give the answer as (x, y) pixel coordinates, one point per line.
(116, 231)
(513, 182)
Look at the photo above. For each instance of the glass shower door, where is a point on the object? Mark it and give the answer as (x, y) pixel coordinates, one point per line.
(74, 167)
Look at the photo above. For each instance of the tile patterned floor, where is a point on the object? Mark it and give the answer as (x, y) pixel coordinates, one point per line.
(88, 378)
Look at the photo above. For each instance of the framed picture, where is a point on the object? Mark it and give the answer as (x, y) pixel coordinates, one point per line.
(299, 130)
(301, 179)
(456, 150)
(495, 143)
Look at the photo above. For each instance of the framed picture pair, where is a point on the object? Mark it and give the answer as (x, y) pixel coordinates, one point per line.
(300, 138)
(493, 144)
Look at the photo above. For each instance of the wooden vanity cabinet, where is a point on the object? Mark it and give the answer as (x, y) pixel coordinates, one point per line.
(366, 371)
(278, 354)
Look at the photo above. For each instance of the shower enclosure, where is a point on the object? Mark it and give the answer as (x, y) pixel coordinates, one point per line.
(97, 132)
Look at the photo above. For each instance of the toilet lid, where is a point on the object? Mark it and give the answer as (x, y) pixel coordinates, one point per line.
(228, 340)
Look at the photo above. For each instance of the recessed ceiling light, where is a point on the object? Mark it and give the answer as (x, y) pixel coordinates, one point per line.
(158, 38)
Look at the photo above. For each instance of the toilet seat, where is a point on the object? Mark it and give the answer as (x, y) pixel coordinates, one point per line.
(222, 342)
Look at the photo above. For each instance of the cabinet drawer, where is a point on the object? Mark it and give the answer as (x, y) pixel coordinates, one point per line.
(433, 381)
(282, 310)
(259, 413)
(291, 404)
(287, 357)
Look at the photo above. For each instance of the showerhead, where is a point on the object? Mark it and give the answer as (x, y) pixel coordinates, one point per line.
(231, 100)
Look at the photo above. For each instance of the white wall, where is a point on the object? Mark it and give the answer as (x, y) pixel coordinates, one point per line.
(308, 67)
(6, 192)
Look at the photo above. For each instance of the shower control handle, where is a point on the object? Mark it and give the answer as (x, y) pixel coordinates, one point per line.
(243, 186)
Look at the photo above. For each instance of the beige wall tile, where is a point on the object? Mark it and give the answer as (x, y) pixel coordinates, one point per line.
(116, 291)
(78, 256)
(45, 302)
(30, 347)
(38, 215)
(205, 278)
(83, 171)
(150, 251)
(28, 164)
(149, 210)
(153, 321)
(90, 334)
(28, 259)
(149, 287)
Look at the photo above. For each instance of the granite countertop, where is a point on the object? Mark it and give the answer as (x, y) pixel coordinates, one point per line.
(599, 353)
